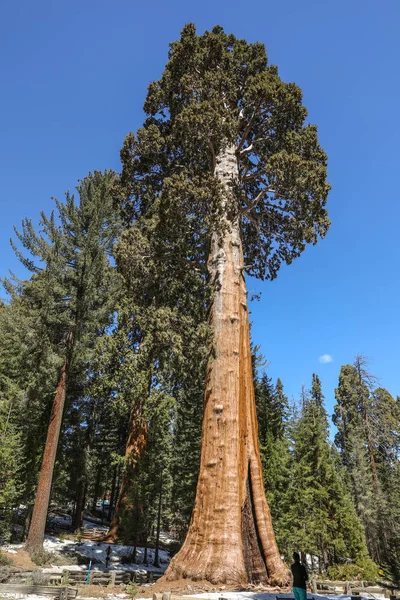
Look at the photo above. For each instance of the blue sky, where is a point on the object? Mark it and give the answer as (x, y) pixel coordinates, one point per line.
(73, 79)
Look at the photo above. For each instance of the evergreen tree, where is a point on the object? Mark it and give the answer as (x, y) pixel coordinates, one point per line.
(71, 290)
(226, 153)
(10, 437)
(274, 436)
(353, 440)
(322, 518)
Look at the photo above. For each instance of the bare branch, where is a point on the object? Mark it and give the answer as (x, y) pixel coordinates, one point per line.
(252, 176)
(251, 147)
(247, 128)
(246, 150)
(250, 206)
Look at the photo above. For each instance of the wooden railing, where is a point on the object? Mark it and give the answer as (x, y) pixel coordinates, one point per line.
(96, 577)
(350, 588)
(61, 593)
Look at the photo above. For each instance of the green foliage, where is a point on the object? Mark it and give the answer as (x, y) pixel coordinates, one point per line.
(131, 589)
(365, 570)
(311, 507)
(217, 90)
(368, 439)
(125, 268)
(71, 294)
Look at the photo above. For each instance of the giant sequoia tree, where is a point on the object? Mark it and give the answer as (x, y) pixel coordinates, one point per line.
(226, 150)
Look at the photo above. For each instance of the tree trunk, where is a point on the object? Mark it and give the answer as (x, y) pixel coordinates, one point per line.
(145, 550)
(96, 491)
(134, 448)
(156, 563)
(112, 496)
(34, 542)
(230, 538)
(27, 521)
(81, 490)
(80, 505)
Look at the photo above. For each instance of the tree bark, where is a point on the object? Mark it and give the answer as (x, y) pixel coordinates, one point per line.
(156, 552)
(96, 491)
(80, 505)
(230, 537)
(112, 496)
(37, 527)
(134, 448)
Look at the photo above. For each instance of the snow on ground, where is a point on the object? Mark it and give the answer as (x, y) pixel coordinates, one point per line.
(269, 596)
(96, 551)
(207, 595)
(25, 597)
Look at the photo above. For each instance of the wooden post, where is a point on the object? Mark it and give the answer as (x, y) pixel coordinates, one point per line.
(65, 576)
(166, 596)
(347, 588)
(112, 578)
(313, 586)
(91, 577)
(155, 597)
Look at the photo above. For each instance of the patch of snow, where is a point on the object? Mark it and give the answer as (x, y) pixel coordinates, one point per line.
(269, 596)
(24, 596)
(93, 550)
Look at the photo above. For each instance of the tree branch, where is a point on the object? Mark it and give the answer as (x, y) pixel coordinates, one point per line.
(251, 147)
(247, 129)
(213, 157)
(250, 206)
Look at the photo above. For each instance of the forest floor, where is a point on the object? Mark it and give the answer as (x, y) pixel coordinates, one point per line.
(68, 553)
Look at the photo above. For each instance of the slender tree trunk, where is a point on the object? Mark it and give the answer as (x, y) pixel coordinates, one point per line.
(134, 448)
(113, 490)
(80, 505)
(371, 452)
(81, 491)
(96, 491)
(230, 538)
(156, 563)
(27, 521)
(34, 542)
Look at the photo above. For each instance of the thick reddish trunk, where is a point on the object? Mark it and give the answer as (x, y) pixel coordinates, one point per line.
(134, 448)
(230, 538)
(35, 539)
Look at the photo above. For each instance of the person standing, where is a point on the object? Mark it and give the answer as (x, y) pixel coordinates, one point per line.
(300, 576)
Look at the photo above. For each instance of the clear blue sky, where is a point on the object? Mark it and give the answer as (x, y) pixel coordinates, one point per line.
(73, 79)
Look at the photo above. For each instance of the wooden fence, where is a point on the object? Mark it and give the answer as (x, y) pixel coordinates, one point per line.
(94, 533)
(96, 577)
(61, 593)
(350, 588)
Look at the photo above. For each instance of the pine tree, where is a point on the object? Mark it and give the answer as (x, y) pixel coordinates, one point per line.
(384, 437)
(10, 437)
(225, 147)
(72, 294)
(353, 439)
(323, 520)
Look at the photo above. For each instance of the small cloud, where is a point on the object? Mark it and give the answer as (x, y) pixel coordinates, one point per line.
(325, 358)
